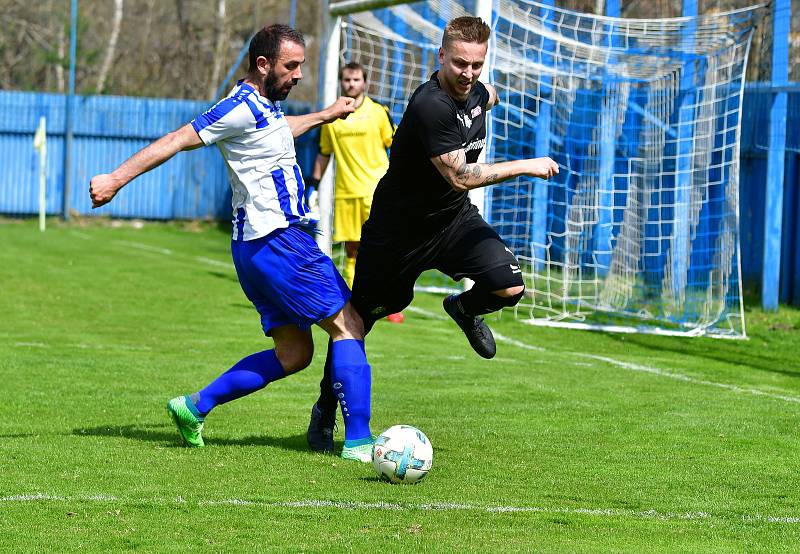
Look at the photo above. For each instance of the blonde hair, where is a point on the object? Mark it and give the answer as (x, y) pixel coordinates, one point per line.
(465, 29)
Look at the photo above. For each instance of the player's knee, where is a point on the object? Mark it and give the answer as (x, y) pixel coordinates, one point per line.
(508, 297)
(294, 357)
(510, 292)
(347, 324)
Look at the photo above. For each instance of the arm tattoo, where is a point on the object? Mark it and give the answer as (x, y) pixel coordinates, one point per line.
(463, 173)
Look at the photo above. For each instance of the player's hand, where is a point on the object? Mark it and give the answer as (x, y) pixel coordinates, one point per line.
(313, 201)
(102, 188)
(544, 168)
(340, 109)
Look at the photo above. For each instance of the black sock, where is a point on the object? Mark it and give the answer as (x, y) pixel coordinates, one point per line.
(327, 400)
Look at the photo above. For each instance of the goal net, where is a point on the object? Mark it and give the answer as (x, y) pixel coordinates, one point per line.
(639, 231)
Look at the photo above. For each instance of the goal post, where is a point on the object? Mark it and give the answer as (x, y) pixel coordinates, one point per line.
(639, 231)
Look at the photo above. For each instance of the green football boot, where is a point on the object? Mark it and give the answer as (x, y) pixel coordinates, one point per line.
(187, 419)
(360, 453)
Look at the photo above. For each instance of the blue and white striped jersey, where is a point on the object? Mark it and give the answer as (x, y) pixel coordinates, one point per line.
(258, 147)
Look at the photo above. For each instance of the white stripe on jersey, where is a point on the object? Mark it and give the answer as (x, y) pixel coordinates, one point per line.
(258, 147)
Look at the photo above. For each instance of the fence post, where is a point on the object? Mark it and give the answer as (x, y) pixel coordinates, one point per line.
(773, 206)
(73, 47)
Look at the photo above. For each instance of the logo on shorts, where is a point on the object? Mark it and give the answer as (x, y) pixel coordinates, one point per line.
(379, 310)
(514, 268)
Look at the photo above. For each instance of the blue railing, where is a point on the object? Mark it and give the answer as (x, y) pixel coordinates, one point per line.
(107, 130)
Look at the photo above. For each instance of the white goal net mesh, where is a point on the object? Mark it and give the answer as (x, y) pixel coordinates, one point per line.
(640, 227)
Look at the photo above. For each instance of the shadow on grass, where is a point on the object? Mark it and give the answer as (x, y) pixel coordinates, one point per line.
(373, 479)
(224, 276)
(163, 434)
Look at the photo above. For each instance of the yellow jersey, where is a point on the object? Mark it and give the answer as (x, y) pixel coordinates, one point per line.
(359, 144)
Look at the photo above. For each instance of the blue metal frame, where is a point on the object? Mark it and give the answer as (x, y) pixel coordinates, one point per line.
(73, 48)
(773, 216)
(684, 163)
(542, 148)
(602, 235)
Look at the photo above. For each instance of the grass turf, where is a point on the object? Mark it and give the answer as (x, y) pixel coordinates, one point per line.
(566, 441)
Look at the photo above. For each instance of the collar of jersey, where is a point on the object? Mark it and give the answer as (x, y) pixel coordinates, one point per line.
(241, 84)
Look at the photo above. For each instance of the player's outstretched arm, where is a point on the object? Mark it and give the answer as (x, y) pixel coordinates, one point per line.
(464, 176)
(340, 109)
(103, 188)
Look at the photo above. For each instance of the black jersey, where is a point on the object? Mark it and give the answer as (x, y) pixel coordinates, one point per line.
(413, 198)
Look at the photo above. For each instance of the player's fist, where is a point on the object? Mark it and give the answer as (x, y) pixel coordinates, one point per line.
(102, 189)
(544, 168)
(340, 109)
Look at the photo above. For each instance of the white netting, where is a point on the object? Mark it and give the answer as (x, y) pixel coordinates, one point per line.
(642, 116)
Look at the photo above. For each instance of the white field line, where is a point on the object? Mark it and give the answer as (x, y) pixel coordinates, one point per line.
(216, 263)
(393, 506)
(83, 346)
(426, 313)
(497, 336)
(168, 252)
(632, 366)
(145, 247)
(687, 379)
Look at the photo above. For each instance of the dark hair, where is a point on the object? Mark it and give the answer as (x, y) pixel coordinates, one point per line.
(353, 66)
(466, 29)
(267, 43)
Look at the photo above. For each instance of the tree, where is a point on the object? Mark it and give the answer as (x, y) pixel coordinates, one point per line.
(112, 46)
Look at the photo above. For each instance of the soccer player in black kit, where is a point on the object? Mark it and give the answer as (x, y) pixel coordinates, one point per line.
(422, 217)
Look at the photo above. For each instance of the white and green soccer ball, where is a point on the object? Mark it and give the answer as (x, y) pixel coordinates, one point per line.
(402, 454)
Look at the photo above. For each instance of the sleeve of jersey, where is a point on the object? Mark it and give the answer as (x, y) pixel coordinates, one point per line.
(437, 128)
(325, 145)
(227, 118)
(387, 127)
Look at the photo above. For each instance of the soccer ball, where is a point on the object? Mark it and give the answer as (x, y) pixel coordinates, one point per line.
(402, 454)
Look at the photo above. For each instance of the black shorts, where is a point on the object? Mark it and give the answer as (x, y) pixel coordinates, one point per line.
(387, 265)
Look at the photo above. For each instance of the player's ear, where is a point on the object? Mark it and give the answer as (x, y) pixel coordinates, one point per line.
(441, 55)
(262, 64)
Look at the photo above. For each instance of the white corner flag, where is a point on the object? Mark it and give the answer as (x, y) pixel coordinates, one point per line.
(40, 144)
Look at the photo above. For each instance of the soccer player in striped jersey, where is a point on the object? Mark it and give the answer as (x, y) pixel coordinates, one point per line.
(291, 283)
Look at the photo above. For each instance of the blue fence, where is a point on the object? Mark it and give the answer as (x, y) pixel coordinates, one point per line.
(753, 189)
(194, 184)
(107, 130)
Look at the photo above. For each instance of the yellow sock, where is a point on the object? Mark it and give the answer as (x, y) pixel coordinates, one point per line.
(349, 272)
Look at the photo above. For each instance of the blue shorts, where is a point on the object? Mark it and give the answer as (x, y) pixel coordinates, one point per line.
(288, 279)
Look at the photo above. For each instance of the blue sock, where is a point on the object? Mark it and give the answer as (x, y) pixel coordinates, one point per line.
(352, 380)
(249, 375)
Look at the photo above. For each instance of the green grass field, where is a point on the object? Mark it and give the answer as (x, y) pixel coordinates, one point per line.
(566, 441)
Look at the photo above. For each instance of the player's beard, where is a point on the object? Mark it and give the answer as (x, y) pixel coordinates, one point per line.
(272, 91)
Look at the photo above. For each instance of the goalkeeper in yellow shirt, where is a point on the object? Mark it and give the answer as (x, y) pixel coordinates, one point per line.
(359, 144)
